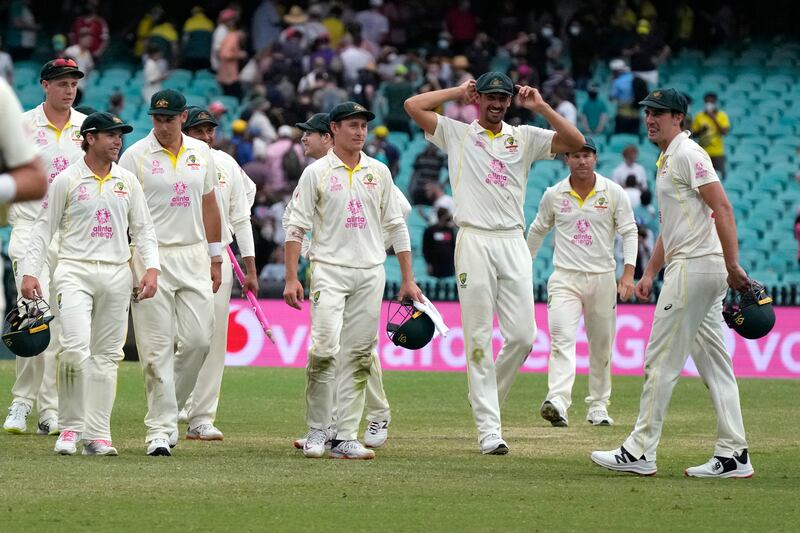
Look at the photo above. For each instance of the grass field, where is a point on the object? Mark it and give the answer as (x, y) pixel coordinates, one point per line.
(429, 476)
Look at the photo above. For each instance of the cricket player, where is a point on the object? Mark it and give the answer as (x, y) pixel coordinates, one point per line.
(93, 204)
(318, 140)
(489, 161)
(173, 329)
(346, 199)
(55, 129)
(235, 195)
(21, 173)
(587, 211)
(699, 246)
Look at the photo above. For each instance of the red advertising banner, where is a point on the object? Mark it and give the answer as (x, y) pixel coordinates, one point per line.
(775, 356)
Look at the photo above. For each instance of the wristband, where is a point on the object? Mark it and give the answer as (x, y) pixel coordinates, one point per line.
(8, 188)
(214, 249)
(216, 259)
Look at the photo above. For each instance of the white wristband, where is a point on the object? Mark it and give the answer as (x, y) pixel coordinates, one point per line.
(214, 249)
(8, 188)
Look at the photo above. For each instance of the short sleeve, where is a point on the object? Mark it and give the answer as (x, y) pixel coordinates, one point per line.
(538, 143)
(16, 149)
(699, 168)
(445, 128)
(723, 120)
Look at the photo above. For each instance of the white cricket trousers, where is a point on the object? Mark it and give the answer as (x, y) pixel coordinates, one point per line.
(376, 404)
(493, 272)
(173, 332)
(570, 293)
(201, 406)
(95, 298)
(688, 318)
(345, 304)
(36, 376)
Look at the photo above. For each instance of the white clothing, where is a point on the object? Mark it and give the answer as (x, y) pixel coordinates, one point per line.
(568, 110)
(623, 170)
(16, 148)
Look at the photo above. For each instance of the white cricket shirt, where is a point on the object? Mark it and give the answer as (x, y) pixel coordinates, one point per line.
(93, 216)
(348, 211)
(488, 172)
(57, 149)
(687, 222)
(236, 193)
(585, 229)
(16, 148)
(174, 185)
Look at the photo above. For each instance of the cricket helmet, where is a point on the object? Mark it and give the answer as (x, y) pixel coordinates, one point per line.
(408, 327)
(26, 331)
(750, 313)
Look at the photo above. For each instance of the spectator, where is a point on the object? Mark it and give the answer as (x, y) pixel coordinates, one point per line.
(265, 26)
(627, 119)
(462, 24)
(633, 191)
(165, 36)
(196, 41)
(461, 73)
(374, 24)
(381, 149)
(96, 26)
(82, 54)
(439, 245)
(594, 113)
(354, 57)
(272, 276)
(687, 118)
(217, 109)
(6, 65)
(156, 71)
(59, 44)
(231, 52)
(582, 51)
(438, 199)
(646, 213)
(226, 23)
(333, 23)
(21, 30)
(330, 94)
(648, 51)
(684, 26)
(395, 93)
(242, 142)
(427, 167)
(564, 107)
(629, 167)
(645, 251)
(462, 110)
(146, 24)
(479, 53)
(116, 104)
(709, 126)
(259, 119)
(283, 166)
(559, 80)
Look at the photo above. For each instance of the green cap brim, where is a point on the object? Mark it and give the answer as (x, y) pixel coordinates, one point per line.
(168, 112)
(369, 115)
(495, 91)
(657, 105)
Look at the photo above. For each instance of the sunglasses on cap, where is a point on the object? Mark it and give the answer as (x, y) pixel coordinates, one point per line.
(64, 62)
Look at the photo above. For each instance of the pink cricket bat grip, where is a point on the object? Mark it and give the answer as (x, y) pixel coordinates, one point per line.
(250, 296)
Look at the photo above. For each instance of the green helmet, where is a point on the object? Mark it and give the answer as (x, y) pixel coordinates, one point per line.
(26, 331)
(750, 313)
(409, 327)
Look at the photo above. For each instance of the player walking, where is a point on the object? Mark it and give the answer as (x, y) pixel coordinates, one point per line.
(489, 161)
(587, 210)
(699, 247)
(173, 329)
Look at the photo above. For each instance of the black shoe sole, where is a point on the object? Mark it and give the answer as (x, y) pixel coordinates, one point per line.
(160, 452)
(550, 413)
(500, 450)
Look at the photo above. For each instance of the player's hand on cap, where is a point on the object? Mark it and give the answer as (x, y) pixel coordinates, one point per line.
(293, 293)
(470, 90)
(737, 278)
(410, 290)
(530, 98)
(148, 285)
(216, 276)
(644, 288)
(625, 287)
(30, 288)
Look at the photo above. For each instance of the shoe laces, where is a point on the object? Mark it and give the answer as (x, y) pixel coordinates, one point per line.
(202, 428)
(316, 437)
(18, 410)
(349, 446)
(102, 442)
(598, 413)
(68, 436)
(374, 427)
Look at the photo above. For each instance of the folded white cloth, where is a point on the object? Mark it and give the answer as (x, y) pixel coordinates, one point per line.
(429, 309)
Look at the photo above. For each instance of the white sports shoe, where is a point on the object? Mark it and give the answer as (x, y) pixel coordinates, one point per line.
(493, 444)
(17, 419)
(376, 433)
(599, 417)
(158, 447)
(99, 447)
(67, 443)
(301, 442)
(173, 439)
(183, 416)
(48, 426)
(314, 445)
(737, 466)
(620, 460)
(204, 432)
(551, 413)
(351, 449)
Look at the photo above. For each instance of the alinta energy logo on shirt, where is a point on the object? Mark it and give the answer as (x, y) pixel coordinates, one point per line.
(496, 175)
(58, 164)
(181, 199)
(102, 230)
(356, 220)
(582, 238)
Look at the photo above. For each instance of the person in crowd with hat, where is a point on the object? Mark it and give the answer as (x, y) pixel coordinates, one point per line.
(627, 119)
(346, 200)
(56, 133)
(173, 330)
(92, 205)
(235, 196)
(489, 165)
(587, 211)
(318, 140)
(699, 246)
(594, 113)
(227, 20)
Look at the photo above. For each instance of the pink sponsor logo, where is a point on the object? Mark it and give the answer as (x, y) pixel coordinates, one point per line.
(102, 230)
(83, 193)
(356, 220)
(41, 138)
(156, 167)
(565, 206)
(775, 356)
(496, 176)
(335, 184)
(480, 144)
(58, 164)
(582, 238)
(700, 170)
(181, 199)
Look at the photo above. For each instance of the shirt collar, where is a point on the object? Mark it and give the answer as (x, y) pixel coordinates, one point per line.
(600, 184)
(86, 172)
(75, 118)
(155, 146)
(505, 128)
(336, 162)
(673, 145)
